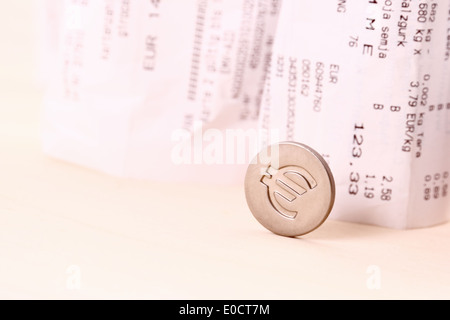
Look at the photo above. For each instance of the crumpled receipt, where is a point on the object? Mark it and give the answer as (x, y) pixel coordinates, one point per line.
(191, 90)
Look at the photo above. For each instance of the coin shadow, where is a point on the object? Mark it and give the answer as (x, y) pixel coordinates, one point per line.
(333, 229)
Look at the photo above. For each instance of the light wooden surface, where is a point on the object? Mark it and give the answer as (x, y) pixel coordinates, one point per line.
(67, 232)
(70, 233)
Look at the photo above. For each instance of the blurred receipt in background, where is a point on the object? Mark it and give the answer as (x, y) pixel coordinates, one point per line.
(191, 90)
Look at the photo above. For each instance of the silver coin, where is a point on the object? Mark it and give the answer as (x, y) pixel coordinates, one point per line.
(289, 189)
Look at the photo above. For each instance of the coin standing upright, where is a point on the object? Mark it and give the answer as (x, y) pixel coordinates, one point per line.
(289, 188)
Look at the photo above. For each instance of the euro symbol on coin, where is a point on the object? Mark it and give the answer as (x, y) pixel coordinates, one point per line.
(285, 188)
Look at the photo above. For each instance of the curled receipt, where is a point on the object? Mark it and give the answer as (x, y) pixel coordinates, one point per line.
(368, 84)
(138, 83)
(157, 89)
